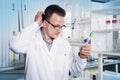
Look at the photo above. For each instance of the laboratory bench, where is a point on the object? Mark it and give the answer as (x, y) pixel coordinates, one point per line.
(108, 64)
(12, 74)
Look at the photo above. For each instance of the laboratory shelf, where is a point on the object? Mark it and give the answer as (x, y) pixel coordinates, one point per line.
(106, 62)
(106, 30)
(12, 75)
(108, 10)
(115, 53)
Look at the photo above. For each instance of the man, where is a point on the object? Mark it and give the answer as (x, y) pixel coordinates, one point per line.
(48, 55)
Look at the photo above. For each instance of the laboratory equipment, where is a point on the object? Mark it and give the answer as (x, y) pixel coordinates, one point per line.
(89, 38)
(73, 27)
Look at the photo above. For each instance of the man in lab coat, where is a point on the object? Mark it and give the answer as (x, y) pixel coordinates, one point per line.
(48, 55)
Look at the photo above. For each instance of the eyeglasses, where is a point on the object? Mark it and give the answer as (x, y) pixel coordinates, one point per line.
(56, 26)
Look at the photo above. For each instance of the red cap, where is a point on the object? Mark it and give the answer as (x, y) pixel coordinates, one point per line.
(114, 21)
(107, 21)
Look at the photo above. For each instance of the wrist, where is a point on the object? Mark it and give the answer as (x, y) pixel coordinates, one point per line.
(81, 56)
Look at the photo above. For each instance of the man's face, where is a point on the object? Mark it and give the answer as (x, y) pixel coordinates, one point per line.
(54, 25)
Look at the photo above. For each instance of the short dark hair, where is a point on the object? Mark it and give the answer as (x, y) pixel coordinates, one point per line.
(53, 9)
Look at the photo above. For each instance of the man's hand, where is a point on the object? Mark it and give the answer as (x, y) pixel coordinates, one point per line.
(85, 51)
(38, 17)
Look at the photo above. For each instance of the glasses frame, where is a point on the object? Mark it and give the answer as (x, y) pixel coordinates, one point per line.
(56, 27)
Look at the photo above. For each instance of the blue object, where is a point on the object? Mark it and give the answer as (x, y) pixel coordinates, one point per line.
(85, 40)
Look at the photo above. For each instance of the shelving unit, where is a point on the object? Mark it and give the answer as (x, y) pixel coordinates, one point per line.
(107, 52)
(108, 11)
(102, 53)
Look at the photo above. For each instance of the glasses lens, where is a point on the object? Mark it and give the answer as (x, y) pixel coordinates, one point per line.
(57, 27)
(63, 27)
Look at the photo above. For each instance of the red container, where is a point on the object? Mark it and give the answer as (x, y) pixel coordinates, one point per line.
(114, 21)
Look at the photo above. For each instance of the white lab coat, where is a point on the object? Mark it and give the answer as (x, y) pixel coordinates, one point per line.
(42, 64)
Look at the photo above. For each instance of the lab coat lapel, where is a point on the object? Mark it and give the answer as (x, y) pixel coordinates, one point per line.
(42, 43)
(54, 48)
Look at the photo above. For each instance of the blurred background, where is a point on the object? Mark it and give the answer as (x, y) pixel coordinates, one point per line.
(102, 17)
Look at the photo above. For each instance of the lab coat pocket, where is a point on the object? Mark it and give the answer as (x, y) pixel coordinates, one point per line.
(61, 60)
